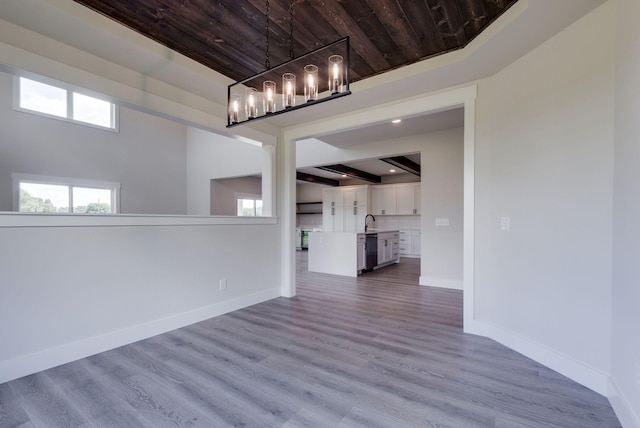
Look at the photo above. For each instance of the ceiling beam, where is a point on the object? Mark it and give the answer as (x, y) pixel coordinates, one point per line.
(303, 176)
(352, 173)
(405, 163)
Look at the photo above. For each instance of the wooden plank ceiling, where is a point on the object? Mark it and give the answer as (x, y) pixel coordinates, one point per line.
(229, 35)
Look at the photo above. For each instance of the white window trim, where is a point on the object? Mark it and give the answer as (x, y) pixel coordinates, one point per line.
(16, 178)
(246, 196)
(70, 90)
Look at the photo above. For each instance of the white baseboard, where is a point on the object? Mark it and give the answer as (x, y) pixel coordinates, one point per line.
(574, 369)
(455, 284)
(410, 256)
(627, 416)
(52, 357)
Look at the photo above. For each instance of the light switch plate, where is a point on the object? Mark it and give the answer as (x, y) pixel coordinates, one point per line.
(505, 223)
(442, 221)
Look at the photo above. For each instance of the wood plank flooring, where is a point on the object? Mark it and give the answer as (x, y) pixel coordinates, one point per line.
(373, 351)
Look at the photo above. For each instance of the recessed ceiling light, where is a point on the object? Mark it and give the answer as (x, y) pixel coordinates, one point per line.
(344, 175)
(392, 170)
(396, 121)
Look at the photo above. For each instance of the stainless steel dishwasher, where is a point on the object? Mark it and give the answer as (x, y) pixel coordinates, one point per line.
(371, 251)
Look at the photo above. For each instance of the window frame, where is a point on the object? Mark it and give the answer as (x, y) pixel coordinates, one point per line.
(70, 91)
(18, 178)
(239, 196)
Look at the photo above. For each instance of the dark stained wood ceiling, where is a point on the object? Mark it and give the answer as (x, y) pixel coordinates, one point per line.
(229, 35)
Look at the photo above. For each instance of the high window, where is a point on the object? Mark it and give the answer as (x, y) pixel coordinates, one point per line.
(40, 194)
(66, 104)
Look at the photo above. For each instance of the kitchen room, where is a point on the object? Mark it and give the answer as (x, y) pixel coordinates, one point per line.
(429, 230)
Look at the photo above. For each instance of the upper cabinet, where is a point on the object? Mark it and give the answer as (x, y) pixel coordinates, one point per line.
(396, 199)
(344, 208)
(384, 200)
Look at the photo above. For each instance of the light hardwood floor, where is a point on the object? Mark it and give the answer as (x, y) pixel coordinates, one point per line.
(376, 351)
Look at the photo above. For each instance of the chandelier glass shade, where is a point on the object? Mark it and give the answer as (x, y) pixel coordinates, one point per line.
(316, 77)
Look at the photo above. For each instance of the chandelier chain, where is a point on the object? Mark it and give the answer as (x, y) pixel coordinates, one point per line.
(267, 64)
(291, 29)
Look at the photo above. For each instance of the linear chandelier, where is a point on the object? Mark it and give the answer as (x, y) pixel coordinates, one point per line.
(318, 76)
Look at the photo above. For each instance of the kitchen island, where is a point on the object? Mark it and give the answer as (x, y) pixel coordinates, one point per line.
(351, 253)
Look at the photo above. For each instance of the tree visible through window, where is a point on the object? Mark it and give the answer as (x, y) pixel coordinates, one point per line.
(249, 207)
(65, 198)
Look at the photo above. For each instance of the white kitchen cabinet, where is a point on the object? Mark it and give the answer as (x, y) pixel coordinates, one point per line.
(383, 200)
(416, 239)
(388, 247)
(344, 209)
(355, 208)
(410, 243)
(376, 201)
(331, 197)
(333, 219)
(408, 202)
(417, 198)
(406, 245)
(362, 254)
(395, 199)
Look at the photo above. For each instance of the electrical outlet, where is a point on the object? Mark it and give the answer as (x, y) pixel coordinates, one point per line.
(638, 375)
(223, 284)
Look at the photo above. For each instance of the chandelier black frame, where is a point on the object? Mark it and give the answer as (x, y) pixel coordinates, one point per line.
(245, 103)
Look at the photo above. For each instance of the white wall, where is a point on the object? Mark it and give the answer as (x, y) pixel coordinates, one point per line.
(147, 156)
(309, 192)
(224, 192)
(441, 193)
(442, 197)
(71, 291)
(211, 156)
(625, 356)
(68, 292)
(544, 158)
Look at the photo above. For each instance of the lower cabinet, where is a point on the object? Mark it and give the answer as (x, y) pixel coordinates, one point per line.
(416, 239)
(410, 243)
(362, 254)
(388, 247)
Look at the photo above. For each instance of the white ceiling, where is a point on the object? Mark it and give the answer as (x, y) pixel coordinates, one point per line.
(372, 166)
(389, 131)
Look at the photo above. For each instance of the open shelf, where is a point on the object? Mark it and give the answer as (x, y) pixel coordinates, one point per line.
(309, 208)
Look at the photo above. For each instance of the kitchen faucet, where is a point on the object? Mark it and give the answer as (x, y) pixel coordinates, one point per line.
(365, 220)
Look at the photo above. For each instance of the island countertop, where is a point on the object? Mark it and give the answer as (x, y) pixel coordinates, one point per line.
(373, 231)
(343, 253)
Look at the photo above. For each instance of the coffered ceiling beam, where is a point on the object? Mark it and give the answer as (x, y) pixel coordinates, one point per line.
(404, 163)
(303, 176)
(352, 173)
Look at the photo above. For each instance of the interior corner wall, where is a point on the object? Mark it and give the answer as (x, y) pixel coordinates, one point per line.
(544, 159)
(208, 157)
(147, 156)
(225, 190)
(625, 356)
